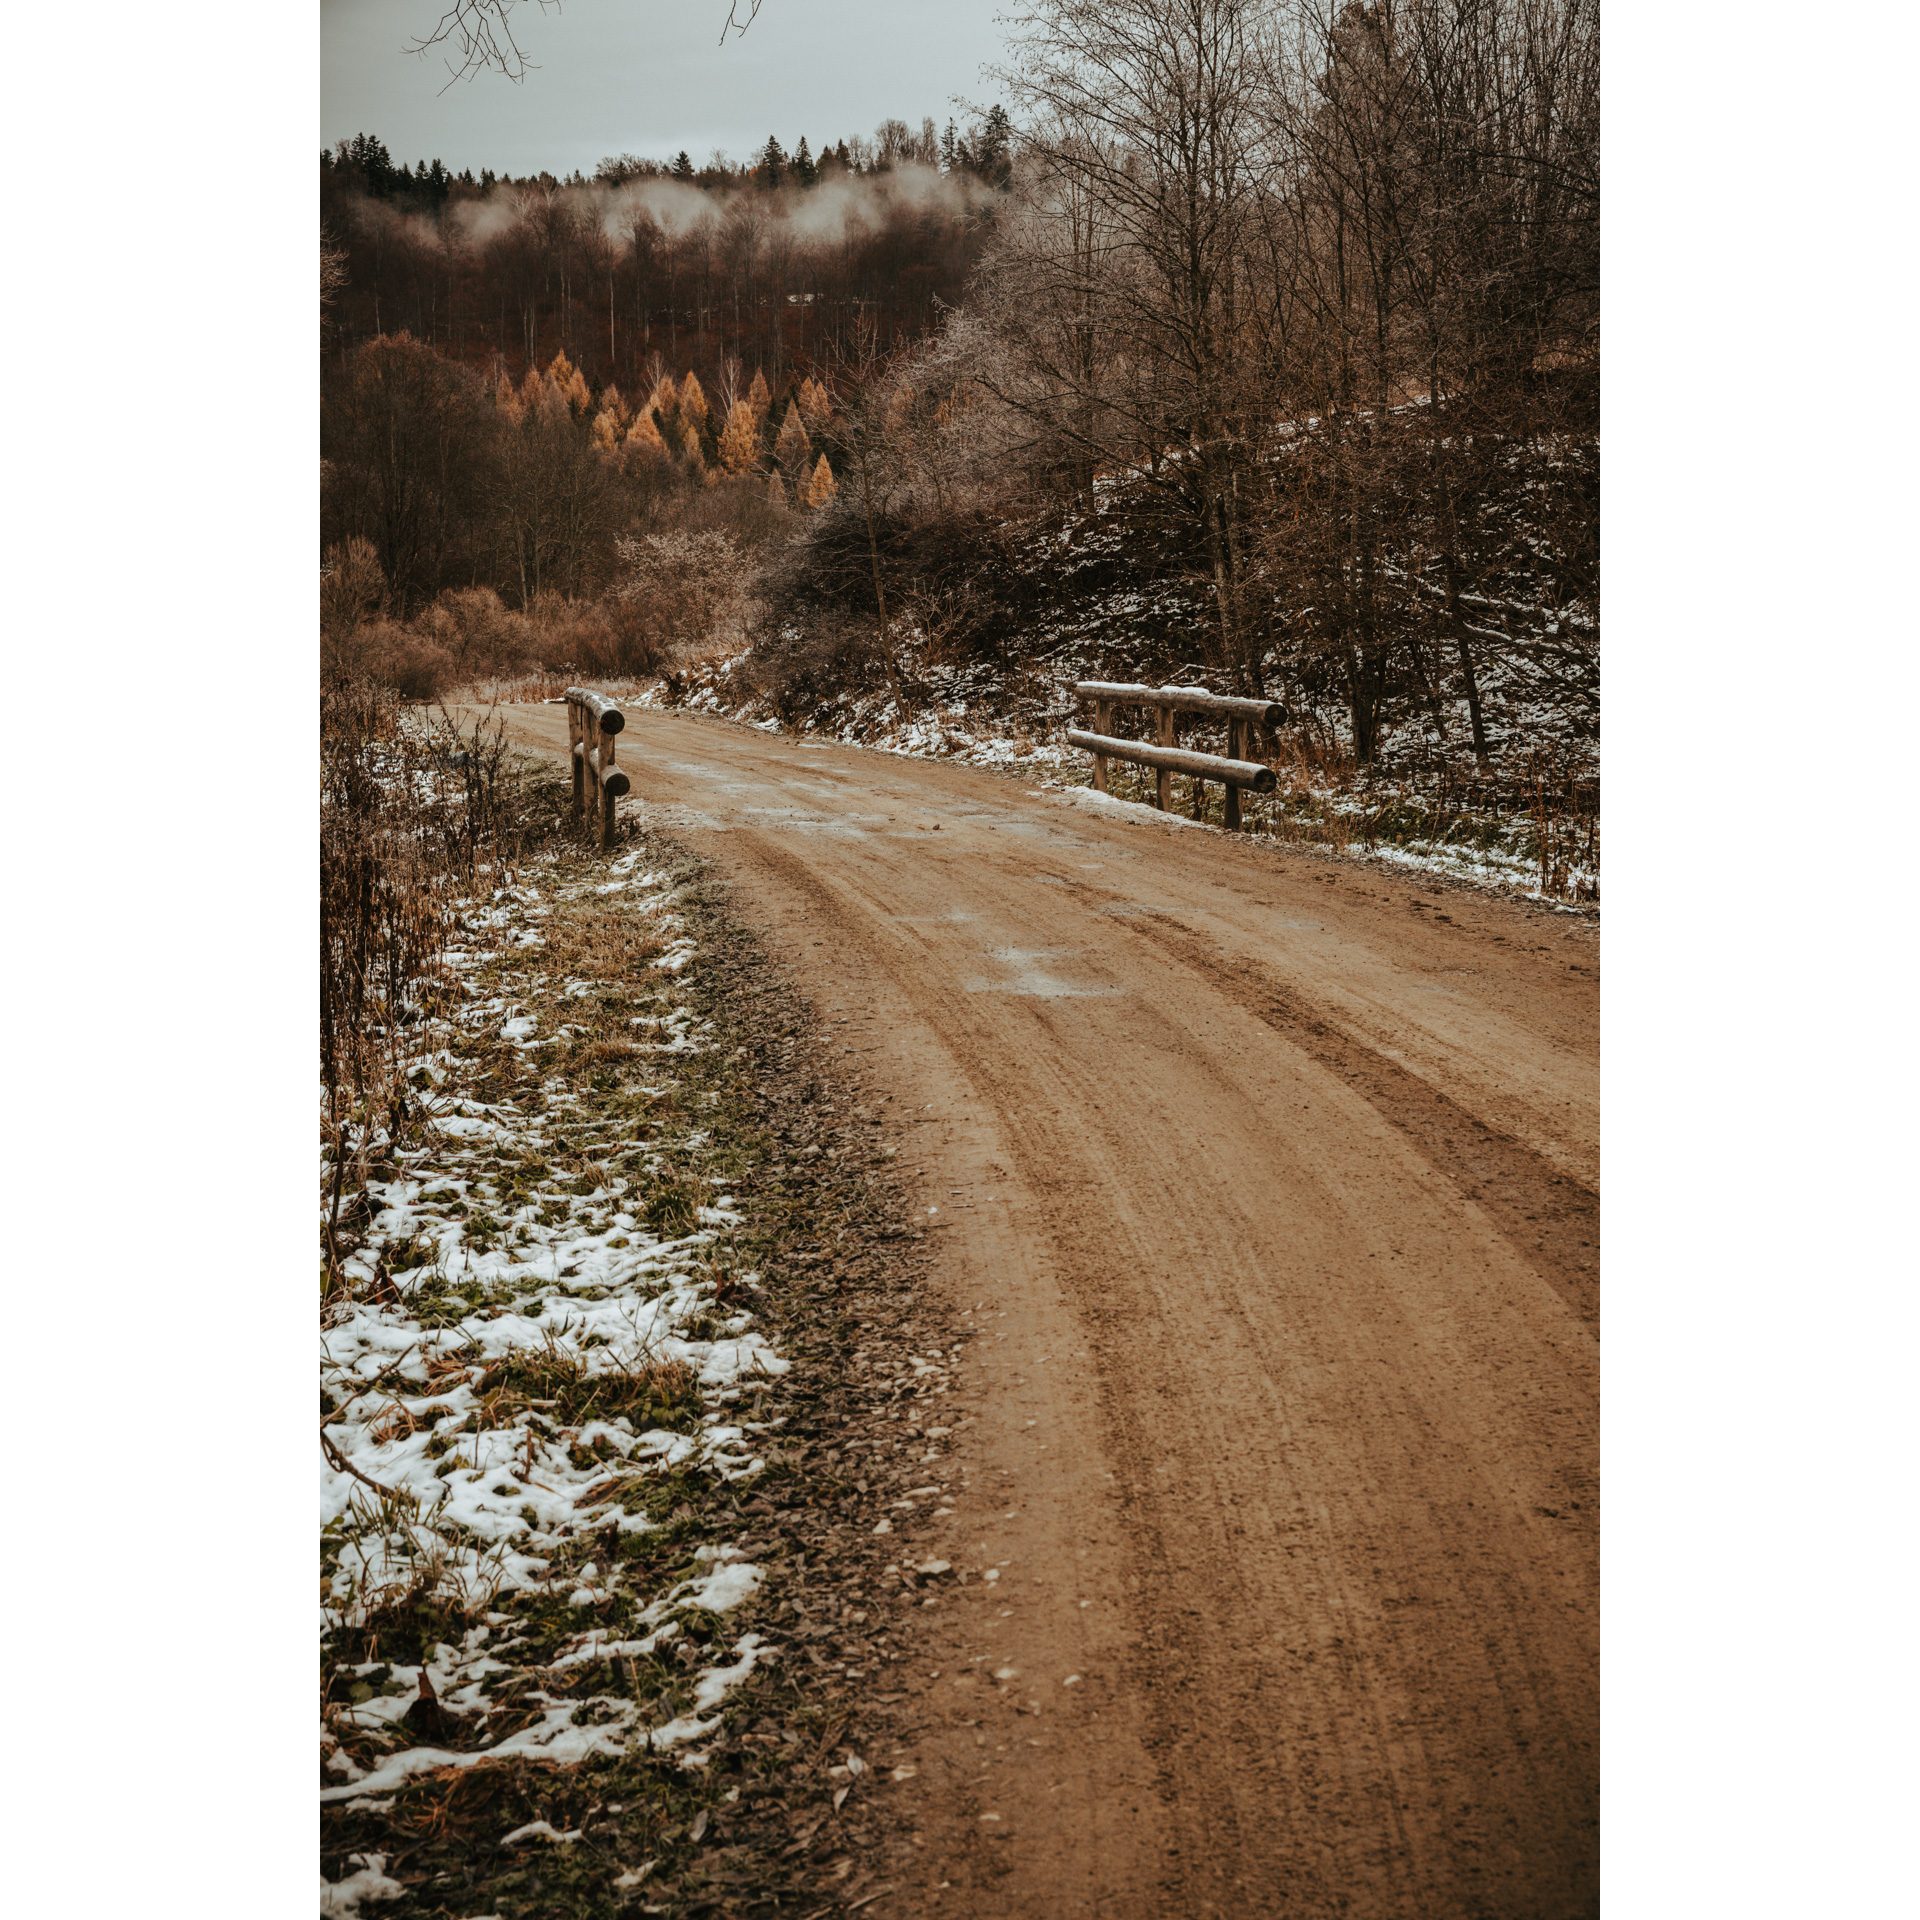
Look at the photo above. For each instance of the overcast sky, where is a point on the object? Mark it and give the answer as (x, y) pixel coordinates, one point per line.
(649, 77)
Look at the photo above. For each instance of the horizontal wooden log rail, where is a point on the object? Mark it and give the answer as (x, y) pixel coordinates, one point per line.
(1203, 766)
(1166, 756)
(1266, 713)
(592, 722)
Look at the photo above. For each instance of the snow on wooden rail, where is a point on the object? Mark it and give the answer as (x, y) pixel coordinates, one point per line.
(592, 723)
(1167, 757)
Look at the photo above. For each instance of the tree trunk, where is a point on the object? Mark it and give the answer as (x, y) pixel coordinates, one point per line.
(1457, 624)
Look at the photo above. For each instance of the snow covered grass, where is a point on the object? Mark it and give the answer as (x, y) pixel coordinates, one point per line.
(536, 1360)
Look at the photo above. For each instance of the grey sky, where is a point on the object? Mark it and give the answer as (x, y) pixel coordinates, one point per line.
(648, 77)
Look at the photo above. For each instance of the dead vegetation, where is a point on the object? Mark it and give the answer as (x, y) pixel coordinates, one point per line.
(792, 1807)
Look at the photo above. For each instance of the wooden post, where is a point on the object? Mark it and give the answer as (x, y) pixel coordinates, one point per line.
(575, 748)
(606, 789)
(1236, 745)
(1102, 724)
(1168, 738)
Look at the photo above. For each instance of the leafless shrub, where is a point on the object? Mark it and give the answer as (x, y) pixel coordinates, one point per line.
(683, 592)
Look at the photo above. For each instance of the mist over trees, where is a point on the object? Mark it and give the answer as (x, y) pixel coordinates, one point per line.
(1260, 342)
(769, 260)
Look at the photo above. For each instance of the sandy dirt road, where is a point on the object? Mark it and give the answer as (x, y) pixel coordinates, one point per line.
(1268, 1186)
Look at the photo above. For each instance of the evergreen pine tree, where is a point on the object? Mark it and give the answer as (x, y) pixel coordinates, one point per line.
(995, 159)
(804, 171)
(683, 167)
(773, 163)
(757, 395)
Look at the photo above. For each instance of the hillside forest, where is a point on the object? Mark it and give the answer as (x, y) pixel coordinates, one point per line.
(1247, 343)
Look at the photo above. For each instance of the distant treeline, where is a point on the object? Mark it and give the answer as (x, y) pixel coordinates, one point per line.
(770, 260)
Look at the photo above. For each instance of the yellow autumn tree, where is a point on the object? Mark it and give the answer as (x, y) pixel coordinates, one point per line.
(822, 487)
(613, 401)
(643, 438)
(791, 447)
(757, 395)
(814, 403)
(663, 399)
(740, 444)
(693, 402)
(568, 384)
(506, 399)
(606, 432)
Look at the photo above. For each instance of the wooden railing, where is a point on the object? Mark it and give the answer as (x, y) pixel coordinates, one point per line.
(1166, 756)
(592, 724)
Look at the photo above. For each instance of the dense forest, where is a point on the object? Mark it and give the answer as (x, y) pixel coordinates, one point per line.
(768, 261)
(1255, 344)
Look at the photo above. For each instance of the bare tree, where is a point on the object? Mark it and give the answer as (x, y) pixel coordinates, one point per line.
(479, 34)
(1144, 148)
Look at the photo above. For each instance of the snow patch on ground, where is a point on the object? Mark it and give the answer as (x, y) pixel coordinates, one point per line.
(494, 1288)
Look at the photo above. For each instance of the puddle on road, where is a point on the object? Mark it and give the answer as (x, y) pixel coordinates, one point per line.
(1030, 979)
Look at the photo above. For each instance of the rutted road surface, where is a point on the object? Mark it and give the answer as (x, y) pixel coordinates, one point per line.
(1271, 1188)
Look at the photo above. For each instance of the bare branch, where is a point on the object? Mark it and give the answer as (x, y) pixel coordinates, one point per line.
(480, 33)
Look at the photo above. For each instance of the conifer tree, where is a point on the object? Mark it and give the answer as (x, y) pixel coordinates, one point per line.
(821, 488)
(506, 399)
(606, 432)
(758, 397)
(792, 448)
(773, 163)
(568, 384)
(683, 167)
(663, 399)
(814, 402)
(614, 402)
(740, 444)
(643, 438)
(693, 402)
(804, 171)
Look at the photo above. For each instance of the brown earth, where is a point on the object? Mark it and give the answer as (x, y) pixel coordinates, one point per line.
(1267, 1184)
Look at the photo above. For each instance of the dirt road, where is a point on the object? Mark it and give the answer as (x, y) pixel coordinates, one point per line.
(1269, 1187)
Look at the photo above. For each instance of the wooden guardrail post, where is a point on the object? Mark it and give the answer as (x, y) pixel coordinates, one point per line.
(592, 724)
(1166, 756)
